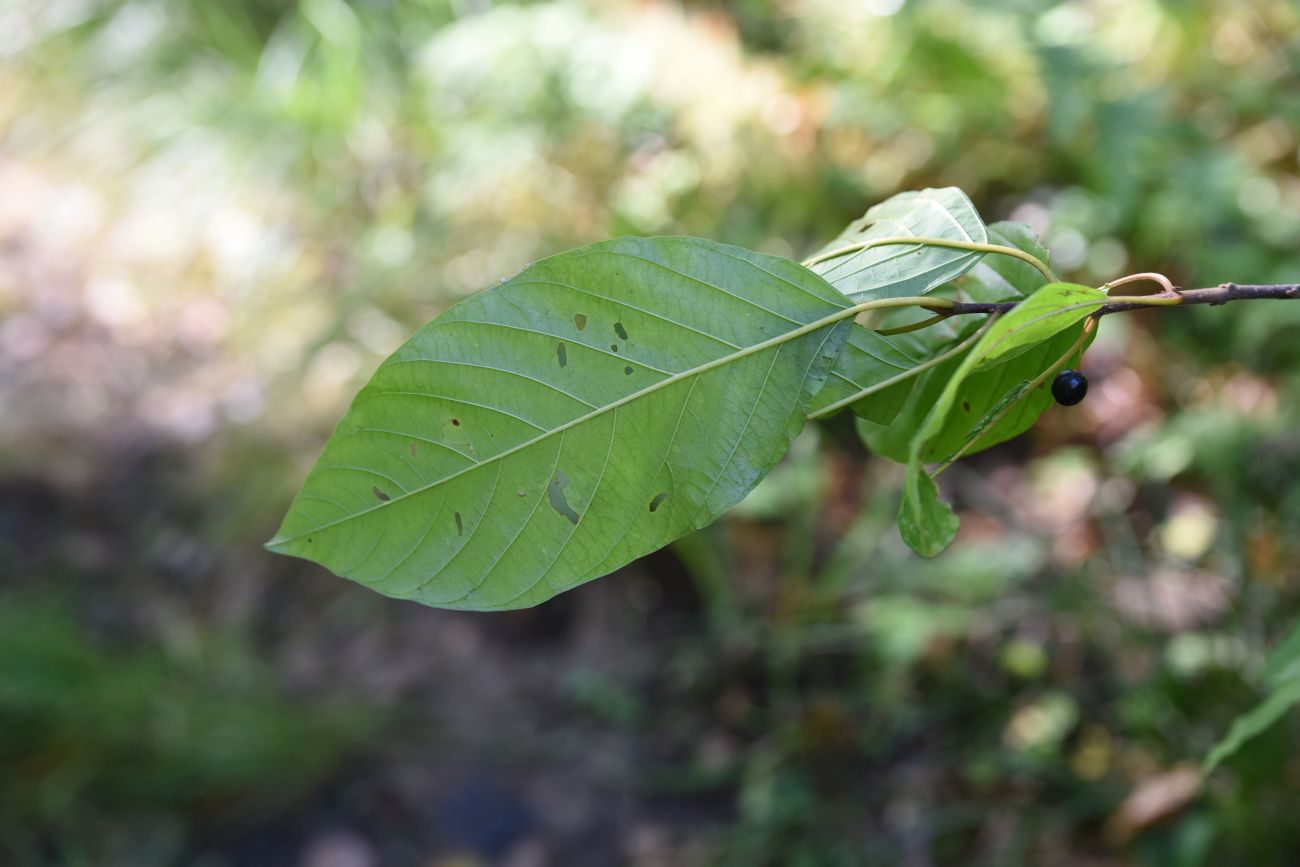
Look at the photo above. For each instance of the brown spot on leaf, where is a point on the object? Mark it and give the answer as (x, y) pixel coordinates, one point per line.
(413, 449)
(658, 501)
(456, 422)
(562, 354)
(380, 494)
(965, 405)
(580, 321)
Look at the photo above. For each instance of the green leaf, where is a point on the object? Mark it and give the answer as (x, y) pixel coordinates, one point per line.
(589, 410)
(1005, 278)
(982, 394)
(1042, 316)
(994, 278)
(1047, 312)
(926, 522)
(898, 270)
(1281, 675)
(869, 358)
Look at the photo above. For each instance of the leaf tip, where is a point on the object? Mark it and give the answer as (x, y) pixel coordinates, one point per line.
(927, 524)
(277, 544)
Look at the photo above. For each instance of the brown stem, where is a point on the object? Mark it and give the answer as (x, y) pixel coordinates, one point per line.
(1214, 295)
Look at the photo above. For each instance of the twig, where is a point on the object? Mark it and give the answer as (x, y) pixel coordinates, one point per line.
(1214, 295)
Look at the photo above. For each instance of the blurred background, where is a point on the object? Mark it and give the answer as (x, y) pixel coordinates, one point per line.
(218, 216)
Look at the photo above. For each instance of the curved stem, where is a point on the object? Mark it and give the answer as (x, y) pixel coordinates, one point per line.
(1153, 276)
(974, 246)
(1088, 325)
(907, 374)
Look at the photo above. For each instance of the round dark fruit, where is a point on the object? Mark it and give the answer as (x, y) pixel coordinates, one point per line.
(1069, 387)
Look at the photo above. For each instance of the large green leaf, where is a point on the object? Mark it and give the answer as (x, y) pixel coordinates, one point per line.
(896, 270)
(1281, 676)
(1039, 318)
(589, 410)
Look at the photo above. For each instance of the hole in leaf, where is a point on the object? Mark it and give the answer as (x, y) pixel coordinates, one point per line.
(580, 321)
(613, 347)
(380, 494)
(562, 354)
(413, 449)
(620, 331)
(460, 525)
(658, 500)
(628, 371)
(555, 493)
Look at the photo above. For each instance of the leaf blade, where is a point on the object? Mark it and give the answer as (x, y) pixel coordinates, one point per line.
(669, 371)
(1036, 320)
(898, 270)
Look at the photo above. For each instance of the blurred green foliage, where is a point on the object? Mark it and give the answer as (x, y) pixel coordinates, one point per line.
(216, 216)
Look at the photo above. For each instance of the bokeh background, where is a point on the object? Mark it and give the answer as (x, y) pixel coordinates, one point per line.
(217, 217)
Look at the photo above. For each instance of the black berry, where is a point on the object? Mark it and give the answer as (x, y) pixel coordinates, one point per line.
(1069, 387)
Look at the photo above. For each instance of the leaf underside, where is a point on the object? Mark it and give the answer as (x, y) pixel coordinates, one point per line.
(892, 271)
(897, 270)
(589, 410)
(1028, 330)
(994, 278)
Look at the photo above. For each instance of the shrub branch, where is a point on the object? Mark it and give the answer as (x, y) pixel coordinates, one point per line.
(1214, 296)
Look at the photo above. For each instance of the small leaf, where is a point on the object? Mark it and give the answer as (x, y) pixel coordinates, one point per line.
(994, 278)
(869, 358)
(926, 522)
(897, 270)
(1038, 318)
(1041, 316)
(981, 392)
(539, 468)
